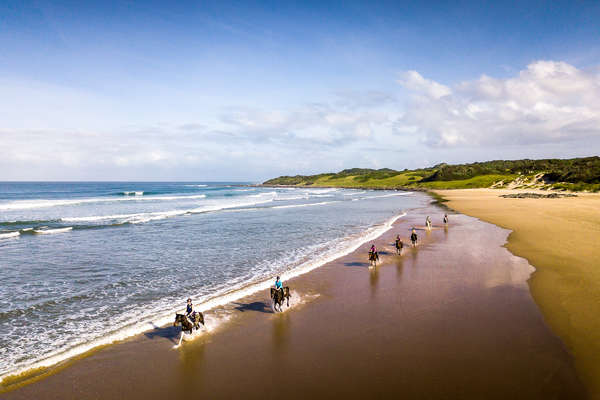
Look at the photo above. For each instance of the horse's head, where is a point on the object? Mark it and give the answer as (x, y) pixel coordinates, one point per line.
(178, 319)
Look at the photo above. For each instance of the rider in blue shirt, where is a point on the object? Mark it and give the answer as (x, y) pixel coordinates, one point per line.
(279, 285)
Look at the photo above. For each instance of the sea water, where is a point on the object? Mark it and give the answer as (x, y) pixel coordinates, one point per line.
(84, 264)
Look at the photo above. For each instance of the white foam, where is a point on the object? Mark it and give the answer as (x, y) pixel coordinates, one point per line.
(321, 191)
(158, 215)
(24, 205)
(133, 193)
(9, 235)
(289, 198)
(196, 185)
(51, 231)
(165, 317)
(307, 205)
(390, 195)
(354, 193)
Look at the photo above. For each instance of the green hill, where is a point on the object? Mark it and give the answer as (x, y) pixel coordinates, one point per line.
(576, 174)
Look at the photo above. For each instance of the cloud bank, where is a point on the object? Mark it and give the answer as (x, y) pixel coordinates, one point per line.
(549, 109)
(548, 102)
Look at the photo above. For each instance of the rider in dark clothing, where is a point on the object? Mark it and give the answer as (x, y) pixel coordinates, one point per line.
(189, 311)
(399, 244)
(413, 237)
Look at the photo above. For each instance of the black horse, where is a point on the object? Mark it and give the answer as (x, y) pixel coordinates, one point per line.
(399, 246)
(277, 296)
(186, 325)
(373, 258)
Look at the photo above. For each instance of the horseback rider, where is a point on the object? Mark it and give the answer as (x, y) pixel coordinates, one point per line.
(445, 219)
(413, 237)
(399, 244)
(279, 286)
(189, 311)
(373, 253)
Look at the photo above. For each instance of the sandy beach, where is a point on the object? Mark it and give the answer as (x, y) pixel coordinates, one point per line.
(560, 238)
(452, 318)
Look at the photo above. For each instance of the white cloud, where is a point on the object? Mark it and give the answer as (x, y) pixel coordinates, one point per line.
(547, 102)
(316, 124)
(414, 81)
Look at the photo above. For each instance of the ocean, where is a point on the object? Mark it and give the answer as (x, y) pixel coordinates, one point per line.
(84, 264)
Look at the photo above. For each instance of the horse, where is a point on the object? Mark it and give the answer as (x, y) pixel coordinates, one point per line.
(399, 246)
(413, 239)
(186, 325)
(277, 296)
(373, 258)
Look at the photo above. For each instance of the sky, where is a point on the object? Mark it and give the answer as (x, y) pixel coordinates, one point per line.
(246, 91)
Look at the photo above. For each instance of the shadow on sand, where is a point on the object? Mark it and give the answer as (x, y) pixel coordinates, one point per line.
(357, 264)
(168, 332)
(258, 306)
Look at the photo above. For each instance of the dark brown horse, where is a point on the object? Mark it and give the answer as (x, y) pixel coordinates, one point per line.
(399, 246)
(373, 258)
(277, 296)
(186, 325)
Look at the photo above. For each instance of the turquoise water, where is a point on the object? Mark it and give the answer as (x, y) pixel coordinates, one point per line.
(85, 262)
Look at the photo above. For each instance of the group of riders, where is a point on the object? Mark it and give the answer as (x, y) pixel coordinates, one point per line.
(191, 314)
(373, 258)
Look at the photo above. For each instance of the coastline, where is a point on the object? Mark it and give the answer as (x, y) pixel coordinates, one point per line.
(57, 361)
(470, 330)
(559, 237)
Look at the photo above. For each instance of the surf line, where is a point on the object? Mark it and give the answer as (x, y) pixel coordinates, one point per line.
(218, 299)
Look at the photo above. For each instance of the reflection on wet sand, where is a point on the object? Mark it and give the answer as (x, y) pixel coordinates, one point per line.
(399, 269)
(281, 326)
(373, 279)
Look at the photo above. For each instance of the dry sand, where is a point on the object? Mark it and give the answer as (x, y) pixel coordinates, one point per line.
(561, 238)
(452, 318)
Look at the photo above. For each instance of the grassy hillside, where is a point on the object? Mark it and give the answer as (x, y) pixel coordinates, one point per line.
(579, 174)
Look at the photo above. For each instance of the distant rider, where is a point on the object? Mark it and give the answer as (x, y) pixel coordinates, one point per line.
(413, 237)
(373, 252)
(399, 244)
(428, 222)
(445, 219)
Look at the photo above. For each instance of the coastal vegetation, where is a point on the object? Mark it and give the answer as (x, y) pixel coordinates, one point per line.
(576, 174)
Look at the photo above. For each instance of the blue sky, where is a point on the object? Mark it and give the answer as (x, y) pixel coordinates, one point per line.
(251, 90)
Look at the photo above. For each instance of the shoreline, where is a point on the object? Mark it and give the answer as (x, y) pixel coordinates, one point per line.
(556, 235)
(339, 321)
(59, 360)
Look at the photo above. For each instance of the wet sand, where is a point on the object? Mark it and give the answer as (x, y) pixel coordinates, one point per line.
(452, 318)
(561, 238)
